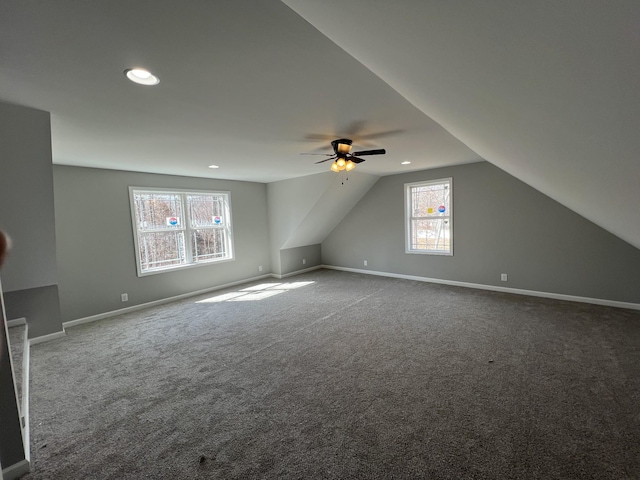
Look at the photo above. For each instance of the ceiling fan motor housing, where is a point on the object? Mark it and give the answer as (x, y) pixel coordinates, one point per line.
(341, 146)
(343, 158)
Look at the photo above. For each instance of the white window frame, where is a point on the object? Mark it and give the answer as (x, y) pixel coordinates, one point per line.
(408, 211)
(187, 228)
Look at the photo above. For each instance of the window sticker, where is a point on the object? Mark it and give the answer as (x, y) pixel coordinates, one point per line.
(173, 221)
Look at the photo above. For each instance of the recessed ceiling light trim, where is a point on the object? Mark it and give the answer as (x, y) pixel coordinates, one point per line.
(141, 76)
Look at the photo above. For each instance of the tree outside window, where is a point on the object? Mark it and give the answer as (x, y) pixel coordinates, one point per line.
(174, 229)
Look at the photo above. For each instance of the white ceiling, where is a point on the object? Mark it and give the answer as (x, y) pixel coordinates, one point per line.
(548, 91)
(243, 85)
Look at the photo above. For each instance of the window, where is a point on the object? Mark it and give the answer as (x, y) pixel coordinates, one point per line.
(175, 229)
(429, 217)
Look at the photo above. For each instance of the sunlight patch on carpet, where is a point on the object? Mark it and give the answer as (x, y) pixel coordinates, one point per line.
(255, 292)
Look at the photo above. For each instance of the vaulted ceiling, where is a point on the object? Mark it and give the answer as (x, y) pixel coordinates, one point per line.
(548, 91)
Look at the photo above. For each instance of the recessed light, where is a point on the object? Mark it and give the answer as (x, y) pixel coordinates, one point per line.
(214, 166)
(406, 162)
(141, 76)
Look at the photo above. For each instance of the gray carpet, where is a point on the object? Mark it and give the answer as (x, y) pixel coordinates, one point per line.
(351, 376)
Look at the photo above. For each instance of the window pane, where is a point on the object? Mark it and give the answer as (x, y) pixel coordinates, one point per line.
(431, 234)
(161, 249)
(209, 243)
(206, 210)
(158, 210)
(180, 228)
(430, 200)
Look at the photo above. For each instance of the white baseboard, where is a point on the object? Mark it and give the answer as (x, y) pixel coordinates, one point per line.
(19, 469)
(16, 322)
(16, 470)
(46, 338)
(142, 306)
(297, 272)
(24, 407)
(480, 286)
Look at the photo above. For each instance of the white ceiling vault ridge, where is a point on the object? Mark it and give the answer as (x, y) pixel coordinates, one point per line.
(548, 91)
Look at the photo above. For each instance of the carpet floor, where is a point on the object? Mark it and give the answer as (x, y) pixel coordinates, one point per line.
(338, 375)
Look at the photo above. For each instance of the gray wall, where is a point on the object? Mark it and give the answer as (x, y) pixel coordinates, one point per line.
(291, 258)
(302, 211)
(96, 255)
(501, 225)
(27, 215)
(26, 197)
(40, 306)
(11, 446)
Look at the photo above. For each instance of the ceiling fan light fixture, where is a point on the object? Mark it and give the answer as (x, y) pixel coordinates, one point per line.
(343, 158)
(141, 76)
(344, 148)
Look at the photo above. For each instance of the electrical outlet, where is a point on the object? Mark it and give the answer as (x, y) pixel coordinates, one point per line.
(503, 277)
(365, 263)
(304, 261)
(260, 268)
(124, 297)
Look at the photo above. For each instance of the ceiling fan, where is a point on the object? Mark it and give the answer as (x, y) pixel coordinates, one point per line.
(343, 158)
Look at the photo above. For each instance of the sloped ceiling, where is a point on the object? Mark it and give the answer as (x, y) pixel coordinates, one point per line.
(546, 90)
(304, 210)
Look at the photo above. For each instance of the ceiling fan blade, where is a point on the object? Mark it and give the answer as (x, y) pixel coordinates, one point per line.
(379, 151)
(386, 133)
(333, 157)
(354, 128)
(314, 137)
(356, 159)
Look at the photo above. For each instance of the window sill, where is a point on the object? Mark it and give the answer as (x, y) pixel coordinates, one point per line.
(175, 268)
